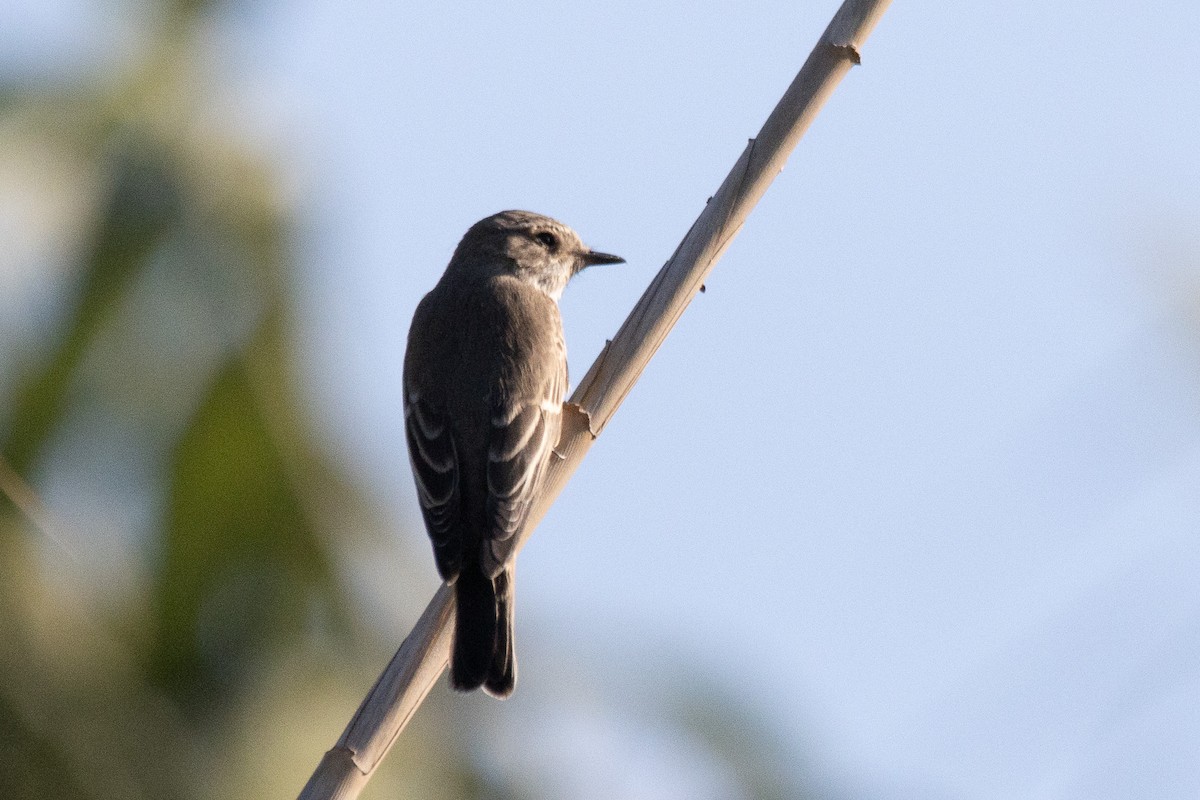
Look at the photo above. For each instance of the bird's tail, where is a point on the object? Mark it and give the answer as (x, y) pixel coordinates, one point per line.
(483, 634)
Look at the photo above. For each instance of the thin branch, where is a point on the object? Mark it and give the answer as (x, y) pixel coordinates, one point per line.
(424, 654)
(26, 500)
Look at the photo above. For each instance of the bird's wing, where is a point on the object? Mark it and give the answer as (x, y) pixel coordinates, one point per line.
(435, 467)
(522, 442)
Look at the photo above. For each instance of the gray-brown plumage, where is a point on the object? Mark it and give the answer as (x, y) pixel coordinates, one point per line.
(484, 378)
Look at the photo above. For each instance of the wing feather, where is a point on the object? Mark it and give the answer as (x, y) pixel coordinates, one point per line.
(435, 466)
(523, 438)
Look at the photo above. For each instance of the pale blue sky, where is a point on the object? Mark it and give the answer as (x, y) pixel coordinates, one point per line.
(919, 471)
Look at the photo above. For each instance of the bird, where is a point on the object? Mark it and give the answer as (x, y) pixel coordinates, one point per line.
(485, 374)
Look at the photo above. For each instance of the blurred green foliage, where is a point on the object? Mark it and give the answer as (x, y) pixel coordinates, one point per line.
(171, 334)
(231, 440)
(142, 208)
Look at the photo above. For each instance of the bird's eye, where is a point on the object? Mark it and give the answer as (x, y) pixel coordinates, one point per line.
(548, 239)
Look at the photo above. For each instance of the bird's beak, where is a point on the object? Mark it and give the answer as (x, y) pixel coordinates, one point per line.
(591, 258)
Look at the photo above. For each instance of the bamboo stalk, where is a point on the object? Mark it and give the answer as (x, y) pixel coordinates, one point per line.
(423, 656)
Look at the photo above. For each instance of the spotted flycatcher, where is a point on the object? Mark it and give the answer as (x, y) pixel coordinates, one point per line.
(484, 378)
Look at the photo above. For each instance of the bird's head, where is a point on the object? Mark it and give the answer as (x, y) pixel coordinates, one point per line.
(538, 250)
